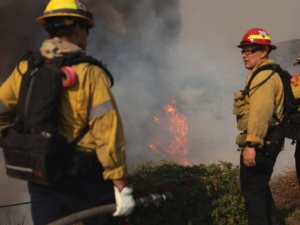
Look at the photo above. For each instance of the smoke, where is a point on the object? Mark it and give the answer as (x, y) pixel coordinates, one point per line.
(135, 38)
(141, 46)
(19, 31)
(152, 67)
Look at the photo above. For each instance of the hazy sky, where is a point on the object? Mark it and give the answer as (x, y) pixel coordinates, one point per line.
(212, 29)
(220, 25)
(200, 67)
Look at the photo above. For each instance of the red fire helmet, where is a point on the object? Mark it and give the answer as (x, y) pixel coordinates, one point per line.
(256, 36)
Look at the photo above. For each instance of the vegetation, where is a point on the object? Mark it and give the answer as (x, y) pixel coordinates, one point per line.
(204, 194)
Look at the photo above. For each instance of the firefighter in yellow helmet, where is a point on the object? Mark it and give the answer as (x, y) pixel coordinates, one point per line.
(256, 108)
(88, 102)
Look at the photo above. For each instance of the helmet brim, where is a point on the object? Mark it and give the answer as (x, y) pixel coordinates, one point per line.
(42, 19)
(242, 45)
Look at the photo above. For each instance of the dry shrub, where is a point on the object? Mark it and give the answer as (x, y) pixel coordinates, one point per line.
(285, 189)
(293, 222)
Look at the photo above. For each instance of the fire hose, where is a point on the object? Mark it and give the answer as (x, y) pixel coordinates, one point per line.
(155, 199)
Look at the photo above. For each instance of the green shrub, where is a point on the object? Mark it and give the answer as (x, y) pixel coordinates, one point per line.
(205, 195)
(228, 203)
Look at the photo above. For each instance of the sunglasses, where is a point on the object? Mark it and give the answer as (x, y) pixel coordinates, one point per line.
(87, 30)
(250, 51)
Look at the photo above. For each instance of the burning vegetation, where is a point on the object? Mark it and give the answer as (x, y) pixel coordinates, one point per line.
(170, 139)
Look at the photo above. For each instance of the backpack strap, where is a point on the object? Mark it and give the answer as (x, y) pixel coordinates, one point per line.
(81, 134)
(258, 70)
(285, 78)
(77, 58)
(35, 59)
(290, 103)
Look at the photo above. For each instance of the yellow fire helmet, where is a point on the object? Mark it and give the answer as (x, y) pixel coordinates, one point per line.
(67, 9)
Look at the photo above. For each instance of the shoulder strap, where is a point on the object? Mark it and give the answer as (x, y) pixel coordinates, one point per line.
(34, 59)
(74, 59)
(81, 134)
(290, 104)
(258, 70)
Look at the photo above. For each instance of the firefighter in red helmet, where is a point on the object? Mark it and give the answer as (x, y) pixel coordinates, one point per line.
(255, 108)
(90, 104)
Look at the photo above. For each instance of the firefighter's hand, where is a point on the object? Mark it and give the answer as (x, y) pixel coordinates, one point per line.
(249, 156)
(124, 201)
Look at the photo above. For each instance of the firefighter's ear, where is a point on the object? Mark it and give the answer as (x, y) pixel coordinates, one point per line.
(70, 78)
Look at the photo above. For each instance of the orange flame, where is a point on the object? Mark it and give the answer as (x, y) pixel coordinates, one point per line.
(171, 139)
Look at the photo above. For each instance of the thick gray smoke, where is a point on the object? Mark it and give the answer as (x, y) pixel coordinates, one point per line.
(19, 31)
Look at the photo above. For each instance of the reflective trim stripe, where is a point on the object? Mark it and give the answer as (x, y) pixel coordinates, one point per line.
(24, 169)
(259, 37)
(278, 110)
(3, 108)
(101, 109)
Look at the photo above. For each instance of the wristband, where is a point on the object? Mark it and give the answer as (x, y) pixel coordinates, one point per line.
(252, 144)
